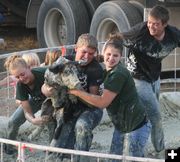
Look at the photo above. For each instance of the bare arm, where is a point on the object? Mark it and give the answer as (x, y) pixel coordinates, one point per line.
(29, 114)
(94, 90)
(99, 101)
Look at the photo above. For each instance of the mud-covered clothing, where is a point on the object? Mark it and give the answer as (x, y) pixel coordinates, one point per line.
(146, 52)
(90, 75)
(23, 91)
(144, 63)
(137, 141)
(77, 132)
(125, 111)
(35, 98)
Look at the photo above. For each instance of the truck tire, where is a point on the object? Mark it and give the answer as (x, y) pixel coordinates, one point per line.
(139, 7)
(112, 17)
(92, 5)
(60, 22)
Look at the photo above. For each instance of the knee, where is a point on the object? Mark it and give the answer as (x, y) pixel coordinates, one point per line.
(155, 119)
(13, 124)
(82, 127)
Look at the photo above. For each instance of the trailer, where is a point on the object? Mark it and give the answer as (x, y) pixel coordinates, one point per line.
(60, 22)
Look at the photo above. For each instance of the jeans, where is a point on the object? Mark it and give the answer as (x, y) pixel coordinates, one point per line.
(77, 133)
(18, 118)
(137, 141)
(149, 95)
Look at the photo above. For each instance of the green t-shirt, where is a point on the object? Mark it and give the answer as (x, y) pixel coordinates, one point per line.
(23, 91)
(125, 111)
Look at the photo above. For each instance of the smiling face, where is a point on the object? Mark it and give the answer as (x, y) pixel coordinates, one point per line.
(156, 27)
(112, 57)
(23, 74)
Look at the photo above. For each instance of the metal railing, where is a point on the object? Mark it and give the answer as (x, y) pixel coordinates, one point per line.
(22, 146)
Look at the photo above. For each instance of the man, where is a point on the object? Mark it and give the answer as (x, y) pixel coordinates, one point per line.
(85, 118)
(28, 92)
(150, 42)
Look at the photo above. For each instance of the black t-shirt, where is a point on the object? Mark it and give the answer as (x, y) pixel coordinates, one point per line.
(23, 91)
(90, 75)
(146, 53)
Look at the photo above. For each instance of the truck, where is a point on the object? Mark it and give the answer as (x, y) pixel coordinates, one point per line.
(60, 22)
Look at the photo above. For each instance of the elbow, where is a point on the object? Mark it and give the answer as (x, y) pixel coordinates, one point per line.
(102, 105)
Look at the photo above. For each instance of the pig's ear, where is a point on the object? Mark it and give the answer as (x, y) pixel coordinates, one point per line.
(56, 68)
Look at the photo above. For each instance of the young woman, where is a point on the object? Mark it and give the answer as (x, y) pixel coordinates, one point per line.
(28, 92)
(120, 98)
(32, 60)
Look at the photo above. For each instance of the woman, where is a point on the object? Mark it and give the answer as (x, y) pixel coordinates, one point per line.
(28, 92)
(120, 98)
(32, 61)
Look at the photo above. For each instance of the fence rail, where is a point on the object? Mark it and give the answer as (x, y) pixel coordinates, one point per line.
(22, 146)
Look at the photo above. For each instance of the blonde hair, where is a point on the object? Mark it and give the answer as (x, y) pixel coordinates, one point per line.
(32, 59)
(87, 40)
(51, 56)
(14, 61)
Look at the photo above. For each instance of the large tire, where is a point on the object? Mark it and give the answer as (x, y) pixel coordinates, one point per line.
(92, 5)
(139, 7)
(112, 17)
(60, 22)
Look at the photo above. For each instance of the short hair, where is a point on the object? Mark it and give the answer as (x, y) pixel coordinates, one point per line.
(14, 61)
(32, 59)
(161, 13)
(87, 40)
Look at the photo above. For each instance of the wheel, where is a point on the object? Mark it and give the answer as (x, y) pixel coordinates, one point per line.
(112, 17)
(60, 22)
(92, 5)
(139, 7)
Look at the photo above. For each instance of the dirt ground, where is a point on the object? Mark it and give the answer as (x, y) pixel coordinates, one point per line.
(16, 38)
